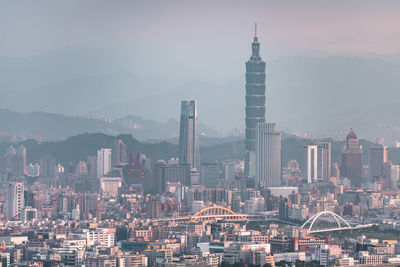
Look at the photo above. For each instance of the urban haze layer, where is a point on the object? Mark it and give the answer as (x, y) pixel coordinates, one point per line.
(101, 200)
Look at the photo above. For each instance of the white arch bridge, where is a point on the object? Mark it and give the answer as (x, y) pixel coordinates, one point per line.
(327, 221)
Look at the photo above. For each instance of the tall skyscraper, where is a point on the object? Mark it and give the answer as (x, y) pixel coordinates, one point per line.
(189, 151)
(351, 166)
(377, 156)
(103, 162)
(255, 103)
(15, 199)
(118, 153)
(268, 156)
(318, 162)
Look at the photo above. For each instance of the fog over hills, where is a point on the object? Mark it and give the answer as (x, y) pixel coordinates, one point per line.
(58, 127)
(323, 96)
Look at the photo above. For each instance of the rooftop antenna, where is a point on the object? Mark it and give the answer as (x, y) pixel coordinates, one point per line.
(255, 29)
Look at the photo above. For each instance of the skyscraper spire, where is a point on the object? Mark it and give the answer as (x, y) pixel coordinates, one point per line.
(255, 46)
(255, 102)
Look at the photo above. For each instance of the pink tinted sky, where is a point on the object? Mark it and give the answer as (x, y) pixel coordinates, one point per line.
(355, 27)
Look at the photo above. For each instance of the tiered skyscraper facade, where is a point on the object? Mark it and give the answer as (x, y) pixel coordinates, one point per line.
(189, 151)
(255, 103)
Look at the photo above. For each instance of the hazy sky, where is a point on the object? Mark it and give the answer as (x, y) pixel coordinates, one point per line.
(285, 27)
(175, 46)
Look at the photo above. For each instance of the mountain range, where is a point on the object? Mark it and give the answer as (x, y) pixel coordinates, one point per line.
(76, 148)
(52, 126)
(318, 95)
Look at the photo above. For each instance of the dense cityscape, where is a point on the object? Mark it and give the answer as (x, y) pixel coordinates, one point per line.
(97, 169)
(120, 209)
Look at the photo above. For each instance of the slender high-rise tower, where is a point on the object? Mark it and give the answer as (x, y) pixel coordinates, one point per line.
(255, 103)
(189, 152)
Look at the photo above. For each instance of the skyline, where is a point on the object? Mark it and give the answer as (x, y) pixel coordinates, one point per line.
(308, 81)
(103, 187)
(108, 62)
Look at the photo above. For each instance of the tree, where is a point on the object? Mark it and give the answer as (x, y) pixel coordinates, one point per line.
(300, 263)
(282, 263)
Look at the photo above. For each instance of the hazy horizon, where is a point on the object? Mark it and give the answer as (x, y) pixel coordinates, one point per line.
(357, 27)
(116, 56)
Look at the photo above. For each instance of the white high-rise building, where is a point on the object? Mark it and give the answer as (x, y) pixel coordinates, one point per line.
(103, 237)
(103, 162)
(312, 163)
(268, 155)
(318, 162)
(15, 199)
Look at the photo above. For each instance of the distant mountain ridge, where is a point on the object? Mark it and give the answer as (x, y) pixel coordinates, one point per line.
(76, 148)
(151, 127)
(318, 95)
(55, 127)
